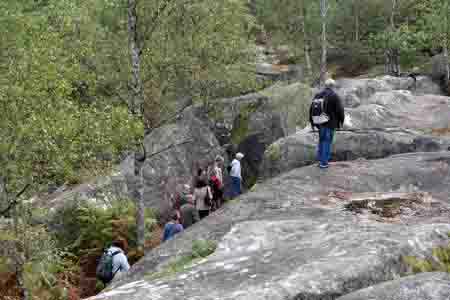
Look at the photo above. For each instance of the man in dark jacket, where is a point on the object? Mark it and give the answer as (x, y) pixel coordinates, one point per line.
(333, 108)
(189, 214)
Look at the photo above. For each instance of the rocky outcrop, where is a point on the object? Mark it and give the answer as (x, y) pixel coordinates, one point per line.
(376, 109)
(355, 92)
(299, 150)
(438, 64)
(174, 153)
(430, 286)
(401, 109)
(252, 122)
(98, 191)
(285, 241)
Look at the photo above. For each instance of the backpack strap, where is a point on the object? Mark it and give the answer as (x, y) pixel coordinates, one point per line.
(120, 267)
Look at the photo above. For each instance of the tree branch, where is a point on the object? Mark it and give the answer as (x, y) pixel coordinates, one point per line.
(14, 202)
(173, 116)
(168, 148)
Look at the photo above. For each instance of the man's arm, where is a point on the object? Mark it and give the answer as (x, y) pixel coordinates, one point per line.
(123, 261)
(340, 111)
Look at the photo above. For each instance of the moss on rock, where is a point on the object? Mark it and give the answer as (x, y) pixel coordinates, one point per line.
(273, 152)
(241, 124)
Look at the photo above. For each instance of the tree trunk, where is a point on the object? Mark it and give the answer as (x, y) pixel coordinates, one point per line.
(137, 102)
(306, 46)
(140, 207)
(392, 55)
(356, 16)
(137, 107)
(323, 64)
(19, 257)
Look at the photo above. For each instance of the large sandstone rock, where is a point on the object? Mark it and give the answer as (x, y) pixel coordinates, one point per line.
(299, 150)
(99, 191)
(285, 241)
(438, 64)
(430, 286)
(174, 154)
(401, 109)
(355, 92)
(252, 122)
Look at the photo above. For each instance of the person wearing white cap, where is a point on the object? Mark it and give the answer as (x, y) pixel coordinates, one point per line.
(327, 114)
(236, 176)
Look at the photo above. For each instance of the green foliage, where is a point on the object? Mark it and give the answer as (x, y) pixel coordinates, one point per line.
(273, 152)
(200, 249)
(49, 133)
(87, 227)
(440, 261)
(44, 261)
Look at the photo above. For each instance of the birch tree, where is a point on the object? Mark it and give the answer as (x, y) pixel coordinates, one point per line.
(324, 8)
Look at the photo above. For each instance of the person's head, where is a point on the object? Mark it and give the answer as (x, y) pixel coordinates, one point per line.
(219, 160)
(120, 243)
(330, 83)
(239, 156)
(201, 184)
(174, 217)
(186, 188)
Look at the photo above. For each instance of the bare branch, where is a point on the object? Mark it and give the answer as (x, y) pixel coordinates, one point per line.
(14, 202)
(169, 147)
(173, 116)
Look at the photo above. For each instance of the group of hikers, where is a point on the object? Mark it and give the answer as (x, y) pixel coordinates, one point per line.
(207, 196)
(192, 205)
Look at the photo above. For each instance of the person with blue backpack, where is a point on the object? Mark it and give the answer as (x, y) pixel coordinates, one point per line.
(326, 114)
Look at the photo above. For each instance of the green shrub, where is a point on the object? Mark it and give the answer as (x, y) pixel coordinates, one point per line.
(440, 261)
(86, 227)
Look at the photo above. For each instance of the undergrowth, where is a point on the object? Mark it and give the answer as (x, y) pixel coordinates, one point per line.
(439, 262)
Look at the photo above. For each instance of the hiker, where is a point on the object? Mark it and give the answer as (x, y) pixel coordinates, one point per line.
(172, 227)
(236, 176)
(216, 182)
(326, 114)
(202, 198)
(113, 262)
(189, 213)
(414, 74)
(185, 195)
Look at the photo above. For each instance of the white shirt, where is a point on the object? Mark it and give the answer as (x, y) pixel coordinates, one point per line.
(120, 261)
(235, 168)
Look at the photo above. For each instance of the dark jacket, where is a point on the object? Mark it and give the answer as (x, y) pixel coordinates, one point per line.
(333, 108)
(189, 215)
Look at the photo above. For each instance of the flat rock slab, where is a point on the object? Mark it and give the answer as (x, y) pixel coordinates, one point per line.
(299, 150)
(426, 286)
(401, 109)
(276, 243)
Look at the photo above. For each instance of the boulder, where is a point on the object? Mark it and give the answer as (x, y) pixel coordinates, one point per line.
(174, 154)
(281, 241)
(98, 191)
(430, 286)
(401, 109)
(299, 150)
(355, 92)
(252, 122)
(438, 65)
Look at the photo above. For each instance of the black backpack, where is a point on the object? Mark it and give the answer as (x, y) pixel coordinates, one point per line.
(318, 114)
(104, 271)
